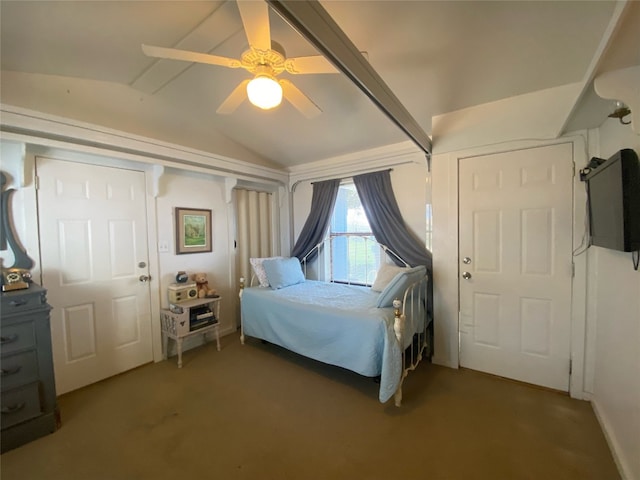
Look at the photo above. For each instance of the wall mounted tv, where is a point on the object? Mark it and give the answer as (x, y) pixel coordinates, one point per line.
(613, 189)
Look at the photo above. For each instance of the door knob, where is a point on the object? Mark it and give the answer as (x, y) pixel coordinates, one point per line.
(466, 260)
(466, 275)
(144, 278)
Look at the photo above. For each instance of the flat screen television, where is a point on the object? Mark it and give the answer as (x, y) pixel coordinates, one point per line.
(613, 190)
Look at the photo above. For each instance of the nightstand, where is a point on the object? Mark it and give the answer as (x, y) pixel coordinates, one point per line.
(192, 317)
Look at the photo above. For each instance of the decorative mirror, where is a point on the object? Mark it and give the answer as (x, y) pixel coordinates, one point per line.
(18, 275)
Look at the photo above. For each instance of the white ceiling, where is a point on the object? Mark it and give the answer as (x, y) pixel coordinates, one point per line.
(83, 60)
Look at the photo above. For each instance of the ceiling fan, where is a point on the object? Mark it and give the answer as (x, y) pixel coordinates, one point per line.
(264, 59)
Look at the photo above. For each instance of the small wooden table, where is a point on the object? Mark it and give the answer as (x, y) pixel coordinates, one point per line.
(192, 317)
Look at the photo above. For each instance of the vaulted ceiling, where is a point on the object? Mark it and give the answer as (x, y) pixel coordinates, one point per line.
(83, 60)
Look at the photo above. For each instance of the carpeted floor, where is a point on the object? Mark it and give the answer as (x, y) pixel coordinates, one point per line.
(259, 412)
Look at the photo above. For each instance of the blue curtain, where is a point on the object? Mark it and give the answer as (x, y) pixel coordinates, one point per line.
(380, 205)
(314, 229)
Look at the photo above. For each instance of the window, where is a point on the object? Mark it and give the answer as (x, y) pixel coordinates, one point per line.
(355, 255)
(429, 224)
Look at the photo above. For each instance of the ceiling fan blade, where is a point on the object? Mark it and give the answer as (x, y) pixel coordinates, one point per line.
(310, 64)
(299, 99)
(186, 56)
(234, 100)
(255, 19)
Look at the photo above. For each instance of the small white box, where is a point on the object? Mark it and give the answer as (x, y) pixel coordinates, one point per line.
(181, 292)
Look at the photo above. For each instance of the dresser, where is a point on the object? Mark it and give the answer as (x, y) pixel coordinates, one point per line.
(27, 386)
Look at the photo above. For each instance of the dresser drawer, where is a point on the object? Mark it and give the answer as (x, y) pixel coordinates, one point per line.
(25, 300)
(20, 404)
(16, 337)
(18, 369)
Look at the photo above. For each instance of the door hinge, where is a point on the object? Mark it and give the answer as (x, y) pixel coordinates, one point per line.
(570, 366)
(574, 169)
(573, 270)
(36, 182)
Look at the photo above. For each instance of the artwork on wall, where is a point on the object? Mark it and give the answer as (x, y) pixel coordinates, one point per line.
(193, 230)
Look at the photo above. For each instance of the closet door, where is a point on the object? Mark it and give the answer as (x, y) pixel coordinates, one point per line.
(95, 265)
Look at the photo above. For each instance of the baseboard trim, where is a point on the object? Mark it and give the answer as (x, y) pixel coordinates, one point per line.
(444, 362)
(228, 331)
(621, 463)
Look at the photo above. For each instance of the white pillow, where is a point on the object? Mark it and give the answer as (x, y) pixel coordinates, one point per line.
(386, 273)
(258, 269)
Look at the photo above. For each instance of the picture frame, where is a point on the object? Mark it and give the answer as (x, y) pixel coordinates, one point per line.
(193, 230)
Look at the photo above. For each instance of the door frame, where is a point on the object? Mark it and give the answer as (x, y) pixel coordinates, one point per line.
(33, 151)
(446, 256)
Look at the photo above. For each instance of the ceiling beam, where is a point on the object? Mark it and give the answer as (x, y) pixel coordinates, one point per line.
(313, 22)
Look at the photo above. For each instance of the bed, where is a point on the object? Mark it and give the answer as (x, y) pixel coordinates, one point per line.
(381, 331)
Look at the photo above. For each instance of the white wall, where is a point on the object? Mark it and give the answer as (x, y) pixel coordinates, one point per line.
(614, 316)
(197, 190)
(532, 116)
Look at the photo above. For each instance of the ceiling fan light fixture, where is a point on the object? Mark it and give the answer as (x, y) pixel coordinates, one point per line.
(264, 92)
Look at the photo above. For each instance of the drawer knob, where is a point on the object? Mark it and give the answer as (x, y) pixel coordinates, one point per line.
(9, 339)
(13, 408)
(17, 303)
(10, 371)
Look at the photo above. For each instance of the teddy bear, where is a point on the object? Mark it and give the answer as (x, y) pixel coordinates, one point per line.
(202, 286)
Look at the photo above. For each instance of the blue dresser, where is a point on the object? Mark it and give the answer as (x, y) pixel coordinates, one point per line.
(29, 408)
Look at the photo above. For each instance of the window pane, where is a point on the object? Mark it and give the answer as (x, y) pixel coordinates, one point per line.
(340, 259)
(355, 255)
(429, 233)
(348, 214)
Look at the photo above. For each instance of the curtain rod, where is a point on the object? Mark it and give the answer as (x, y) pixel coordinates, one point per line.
(351, 176)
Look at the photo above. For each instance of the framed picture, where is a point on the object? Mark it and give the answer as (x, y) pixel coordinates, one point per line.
(193, 230)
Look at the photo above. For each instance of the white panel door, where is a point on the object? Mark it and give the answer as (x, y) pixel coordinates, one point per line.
(516, 264)
(94, 251)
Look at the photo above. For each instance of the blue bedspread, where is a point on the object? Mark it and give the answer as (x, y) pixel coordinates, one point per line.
(332, 323)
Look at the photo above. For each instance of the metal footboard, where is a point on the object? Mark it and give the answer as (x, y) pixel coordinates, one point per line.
(411, 318)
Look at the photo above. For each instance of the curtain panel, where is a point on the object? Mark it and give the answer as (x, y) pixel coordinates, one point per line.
(253, 228)
(322, 202)
(380, 205)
